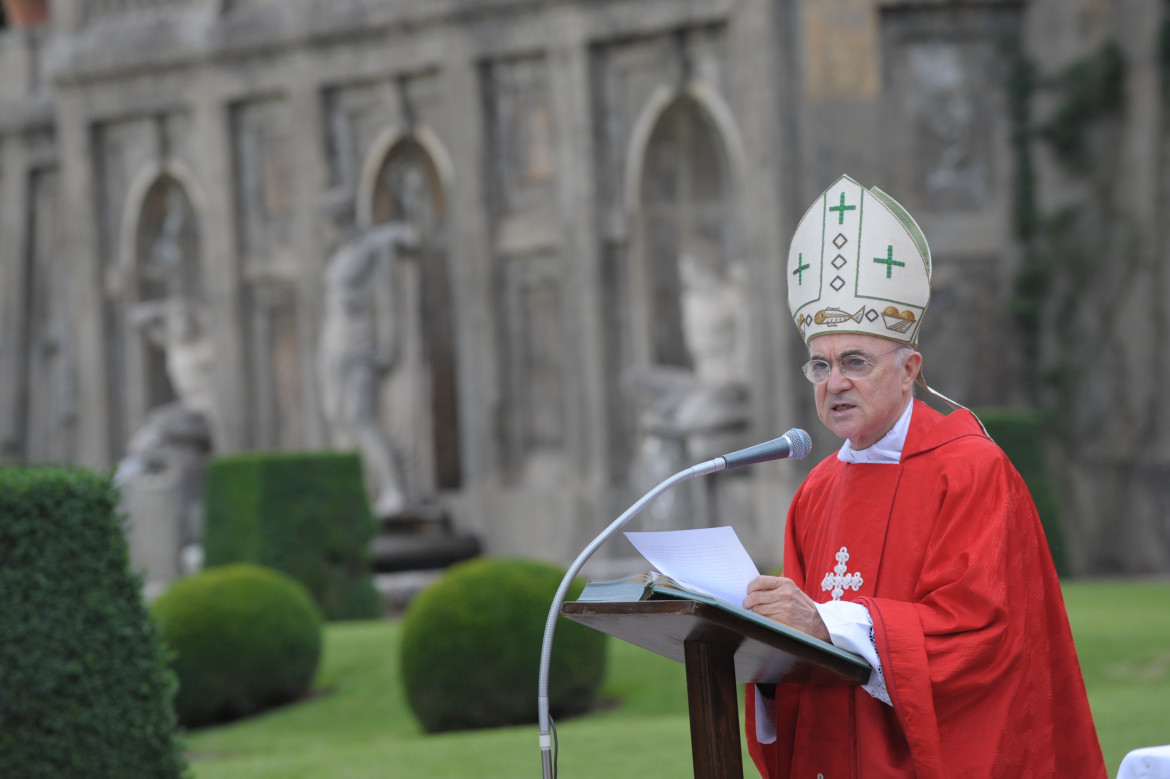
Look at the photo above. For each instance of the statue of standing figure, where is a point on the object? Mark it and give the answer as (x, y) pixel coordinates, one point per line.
(357, 349)
(161, 475)
(701, 405)
(693, 414)
(176, 325)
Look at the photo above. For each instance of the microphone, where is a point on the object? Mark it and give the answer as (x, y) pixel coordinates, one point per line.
(795, 445)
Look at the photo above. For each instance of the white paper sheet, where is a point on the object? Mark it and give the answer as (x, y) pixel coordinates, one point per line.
(709, 558)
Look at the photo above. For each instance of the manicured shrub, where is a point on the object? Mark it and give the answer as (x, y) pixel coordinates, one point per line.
(244, 638)
(84, 687)
(1020, 434)
(471, 648)
(306, 515)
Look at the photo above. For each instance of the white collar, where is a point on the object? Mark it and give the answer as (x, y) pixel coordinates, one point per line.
(888, 450)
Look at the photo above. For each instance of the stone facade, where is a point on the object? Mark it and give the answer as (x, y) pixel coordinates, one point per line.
(558, 159)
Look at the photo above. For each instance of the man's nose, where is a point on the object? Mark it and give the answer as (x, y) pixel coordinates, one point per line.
(838, 381)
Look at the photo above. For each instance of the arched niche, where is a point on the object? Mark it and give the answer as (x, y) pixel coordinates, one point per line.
(167, 243)
(682, 190)
(161, 260)
(685, 387)
(419, 402)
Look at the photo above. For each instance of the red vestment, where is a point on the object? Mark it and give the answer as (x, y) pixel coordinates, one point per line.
(968, 621)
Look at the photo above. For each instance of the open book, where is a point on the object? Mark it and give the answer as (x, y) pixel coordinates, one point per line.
(651, 585)
(646, 585)
(691, 552)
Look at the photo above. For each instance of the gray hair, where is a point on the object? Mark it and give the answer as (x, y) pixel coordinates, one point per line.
(903, 353)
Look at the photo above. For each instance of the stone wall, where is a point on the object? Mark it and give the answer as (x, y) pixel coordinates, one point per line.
(563, 164)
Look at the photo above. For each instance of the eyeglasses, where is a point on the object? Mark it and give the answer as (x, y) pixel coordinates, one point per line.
(853, 366)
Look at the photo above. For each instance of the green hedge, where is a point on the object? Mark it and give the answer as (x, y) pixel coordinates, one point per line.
(84, 687)
(306, 515)
(1020, 433)
(245, 638)
(471, 647)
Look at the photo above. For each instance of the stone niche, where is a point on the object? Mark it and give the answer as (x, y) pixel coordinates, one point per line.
(677, 334)
(161, 474)
(418, 404)
(379, 147)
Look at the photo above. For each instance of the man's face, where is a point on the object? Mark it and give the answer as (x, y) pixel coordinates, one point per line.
(862, 409)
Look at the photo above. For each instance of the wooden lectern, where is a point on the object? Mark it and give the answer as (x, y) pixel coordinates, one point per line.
(719, 649)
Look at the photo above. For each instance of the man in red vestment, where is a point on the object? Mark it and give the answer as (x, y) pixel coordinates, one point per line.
(917, 546)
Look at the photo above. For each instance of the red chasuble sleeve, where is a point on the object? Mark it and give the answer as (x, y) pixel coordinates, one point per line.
(969, 623)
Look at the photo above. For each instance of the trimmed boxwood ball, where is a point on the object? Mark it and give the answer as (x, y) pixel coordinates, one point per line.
(471, 648)
(245, 638)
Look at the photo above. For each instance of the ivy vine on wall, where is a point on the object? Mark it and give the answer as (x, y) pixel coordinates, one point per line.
(1062, 296)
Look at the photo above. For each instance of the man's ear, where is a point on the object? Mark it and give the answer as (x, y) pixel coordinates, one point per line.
(912, 366)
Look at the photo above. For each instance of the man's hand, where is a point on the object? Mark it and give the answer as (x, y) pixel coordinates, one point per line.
(779, 599)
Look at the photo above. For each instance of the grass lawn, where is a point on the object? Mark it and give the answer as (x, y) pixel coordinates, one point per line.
(360, 726)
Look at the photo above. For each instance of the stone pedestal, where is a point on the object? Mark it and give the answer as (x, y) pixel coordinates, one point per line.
(411, 550)
(161, 482)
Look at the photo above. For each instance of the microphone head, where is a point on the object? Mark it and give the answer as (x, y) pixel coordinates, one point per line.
(799, 442)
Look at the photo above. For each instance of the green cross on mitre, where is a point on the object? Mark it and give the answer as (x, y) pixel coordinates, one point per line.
(801, 267)
(907, 221)
(889, 261)
(841, 209)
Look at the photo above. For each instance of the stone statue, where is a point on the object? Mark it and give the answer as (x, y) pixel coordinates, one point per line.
(710, 397)
(175, 435)
(714, 323)
(176, 326)
(161, 476)
(690, 415)
(357, 349)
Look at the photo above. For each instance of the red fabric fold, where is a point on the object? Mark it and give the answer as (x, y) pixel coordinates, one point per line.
(968, 618)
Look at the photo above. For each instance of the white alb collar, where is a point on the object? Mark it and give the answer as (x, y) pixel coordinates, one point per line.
(888, 450)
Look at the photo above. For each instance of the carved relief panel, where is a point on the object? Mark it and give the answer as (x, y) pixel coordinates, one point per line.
(945, 71)
(264, 169)
(535, 332)
(522, 177)
(355, 115)
(274, 348)
(522, 143)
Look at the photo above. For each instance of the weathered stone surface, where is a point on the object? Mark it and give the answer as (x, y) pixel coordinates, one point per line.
(558, 160)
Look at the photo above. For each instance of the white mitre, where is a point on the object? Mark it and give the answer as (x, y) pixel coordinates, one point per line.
(858, 263)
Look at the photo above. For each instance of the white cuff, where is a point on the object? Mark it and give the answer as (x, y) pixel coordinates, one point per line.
(851, 628)
(765, 719)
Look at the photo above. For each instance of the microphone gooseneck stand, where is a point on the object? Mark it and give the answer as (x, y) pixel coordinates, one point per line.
(795, 444)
